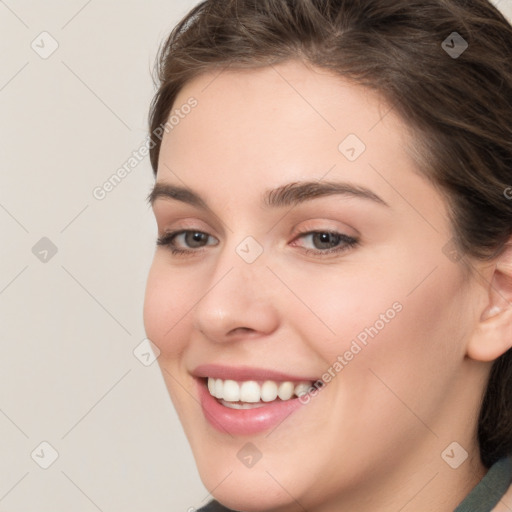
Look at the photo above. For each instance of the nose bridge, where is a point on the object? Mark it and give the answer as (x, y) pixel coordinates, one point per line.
(236, 296)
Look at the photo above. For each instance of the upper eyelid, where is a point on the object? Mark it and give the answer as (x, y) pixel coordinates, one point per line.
(220, 226)
(194, 226)
(170, 207)
(177, 232)
(185, 224)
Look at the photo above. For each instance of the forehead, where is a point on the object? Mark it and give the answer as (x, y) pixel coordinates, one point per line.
(291, 99)
(262, 128)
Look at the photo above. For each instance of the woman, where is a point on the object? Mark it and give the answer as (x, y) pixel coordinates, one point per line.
(331, 290)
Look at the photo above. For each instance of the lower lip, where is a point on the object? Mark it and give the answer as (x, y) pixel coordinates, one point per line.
(244, 421)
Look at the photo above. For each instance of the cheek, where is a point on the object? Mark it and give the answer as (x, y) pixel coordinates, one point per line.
(168, 298)
(388, 324)
(338, 305)
(406, 300)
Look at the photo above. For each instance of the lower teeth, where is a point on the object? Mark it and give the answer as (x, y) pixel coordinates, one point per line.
(243, 405)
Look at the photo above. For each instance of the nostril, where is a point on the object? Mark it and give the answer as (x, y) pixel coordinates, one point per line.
(243, 329)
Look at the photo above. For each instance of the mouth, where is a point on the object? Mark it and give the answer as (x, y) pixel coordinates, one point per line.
(245, 401)
(252, 394)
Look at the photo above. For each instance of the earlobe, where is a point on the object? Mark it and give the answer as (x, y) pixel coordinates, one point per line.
(493, 336)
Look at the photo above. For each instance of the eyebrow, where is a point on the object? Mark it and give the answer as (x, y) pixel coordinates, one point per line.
(291, 194)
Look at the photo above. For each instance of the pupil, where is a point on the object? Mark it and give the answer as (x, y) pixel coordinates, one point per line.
(195, 239)
(327, 239)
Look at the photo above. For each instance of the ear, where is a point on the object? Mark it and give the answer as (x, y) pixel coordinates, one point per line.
(493, 335)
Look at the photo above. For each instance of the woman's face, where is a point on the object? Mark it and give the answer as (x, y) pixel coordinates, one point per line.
(315, 250)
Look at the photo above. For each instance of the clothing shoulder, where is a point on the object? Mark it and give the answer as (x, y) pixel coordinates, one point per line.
(493, 491)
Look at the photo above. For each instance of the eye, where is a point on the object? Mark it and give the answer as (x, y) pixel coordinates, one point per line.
(324, 243)
(185, 241)
(327, 242)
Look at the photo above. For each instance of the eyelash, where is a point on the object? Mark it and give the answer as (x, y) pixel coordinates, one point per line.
(349, 242)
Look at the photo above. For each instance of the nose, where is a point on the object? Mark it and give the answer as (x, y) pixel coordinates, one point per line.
(238, 302)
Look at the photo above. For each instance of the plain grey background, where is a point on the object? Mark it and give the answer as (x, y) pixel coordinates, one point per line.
(75, 88)
(69, 324)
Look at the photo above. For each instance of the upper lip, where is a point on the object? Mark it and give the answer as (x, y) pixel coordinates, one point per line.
(245, 373)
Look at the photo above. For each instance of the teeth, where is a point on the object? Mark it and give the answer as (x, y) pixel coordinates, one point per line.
(268, 391)
(251, 392)
(285, 391)
(235, 405)
(302, 389)
(219, 386)
(231, 391)
(211, 386)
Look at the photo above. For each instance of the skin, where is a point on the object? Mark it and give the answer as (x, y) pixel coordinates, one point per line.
(505, 503)
(373, 437)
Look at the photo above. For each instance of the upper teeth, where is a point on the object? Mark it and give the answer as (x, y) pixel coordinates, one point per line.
(251, 391)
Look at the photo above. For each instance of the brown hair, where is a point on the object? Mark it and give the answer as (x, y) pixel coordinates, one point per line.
(459, 106)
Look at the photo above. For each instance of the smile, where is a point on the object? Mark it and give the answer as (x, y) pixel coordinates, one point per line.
(248, 401)
(252, 394)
